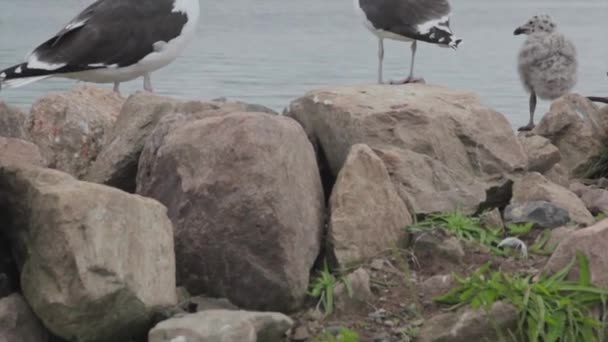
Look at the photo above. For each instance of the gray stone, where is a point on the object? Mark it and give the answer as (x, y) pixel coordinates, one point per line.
(596, 201)
(359, 282)
(533, 187)
(491, 219)
(437, 251)
(542, 213)
(223, 326)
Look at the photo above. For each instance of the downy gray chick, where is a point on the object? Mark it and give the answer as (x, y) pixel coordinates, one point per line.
(547, 62)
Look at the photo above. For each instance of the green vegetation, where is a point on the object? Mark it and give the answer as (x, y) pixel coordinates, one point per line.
(323, 288)
(471, 229)
(597, 168)
(344, 335)
(550, 309)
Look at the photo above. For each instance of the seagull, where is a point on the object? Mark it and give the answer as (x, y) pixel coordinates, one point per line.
(111, 41)
(408, 21)
(547, 62)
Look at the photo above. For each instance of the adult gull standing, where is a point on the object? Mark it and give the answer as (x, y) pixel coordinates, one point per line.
(111, 41)
(547, 62)
(409, 21)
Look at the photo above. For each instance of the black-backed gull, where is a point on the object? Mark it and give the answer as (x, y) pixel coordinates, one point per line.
(410, 21)
(111, 41)
(547, 62)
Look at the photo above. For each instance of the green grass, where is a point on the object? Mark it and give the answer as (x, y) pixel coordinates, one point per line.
(550, 309)
(597, 168)
(323, 287)
(471, 229)
(344, 335)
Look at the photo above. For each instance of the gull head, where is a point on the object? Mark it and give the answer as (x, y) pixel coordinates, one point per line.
(537, 24)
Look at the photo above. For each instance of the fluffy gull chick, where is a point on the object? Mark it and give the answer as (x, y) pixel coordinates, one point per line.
(547, 62)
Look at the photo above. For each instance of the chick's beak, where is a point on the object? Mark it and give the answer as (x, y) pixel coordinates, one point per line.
(519, 31)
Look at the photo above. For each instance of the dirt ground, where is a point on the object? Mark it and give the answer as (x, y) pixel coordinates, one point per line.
(403, 286)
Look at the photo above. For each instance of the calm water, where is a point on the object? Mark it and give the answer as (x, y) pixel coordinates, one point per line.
(272, 51)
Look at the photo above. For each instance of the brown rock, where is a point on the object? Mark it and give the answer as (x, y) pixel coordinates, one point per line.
(249, 205)
(360, 296)
(592, 241)
(470, 324)
(577, 128)
(69, 126)
(438, 145)
(367, 216)
(116, 164)
(596, 201)
(95, 262)
(17, 151)
(534, 187)
(542, 155)
(436, 286)
(436, 251)
(491, 219)
(12, 122)
(558, 175)
(18, 323)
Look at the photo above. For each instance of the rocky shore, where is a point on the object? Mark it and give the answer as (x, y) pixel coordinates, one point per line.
(154, 219)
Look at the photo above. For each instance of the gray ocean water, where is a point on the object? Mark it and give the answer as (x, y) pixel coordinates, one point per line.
(272, 51)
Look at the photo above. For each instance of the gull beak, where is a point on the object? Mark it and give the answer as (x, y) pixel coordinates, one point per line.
(519, 31)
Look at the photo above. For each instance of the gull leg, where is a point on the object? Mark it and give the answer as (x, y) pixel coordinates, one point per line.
(530, 124)
(117, 87)
(148, 83)
(380, 59)
(411, 78)
(598, 99)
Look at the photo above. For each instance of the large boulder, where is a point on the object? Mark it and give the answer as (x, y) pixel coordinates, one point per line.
(69, 126)
(367, 217)
(18, 323)
(116, 164)
(542, 155)
(592, 242)
(12, 122)
(17, 151)
(534, 187)
(440, 146)
(245, 195)
(578, 129)
(223, 326)
(95, 262)
(541, 213)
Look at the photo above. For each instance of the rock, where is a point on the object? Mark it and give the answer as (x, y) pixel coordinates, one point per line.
(436, 251)
(557, 236)
(116, 164)
(542, 213)
(69, 126)
(577, 128)
(435, 286)
(491, 219)
(367, 216)
(578, 188)
(222, 325)
(596, 201)
(17, 151)
(534, 187)
(542, 155)
(359, 282)
(470, 324)
(558, 175)
(439, 146)
(250, 204)
(12, 122)
(592, 241)
(111, 253)
(202, 303)
(18, 323)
